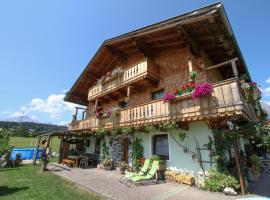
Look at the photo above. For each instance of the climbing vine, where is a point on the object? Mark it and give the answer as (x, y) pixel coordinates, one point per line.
(137, 153)
(105, 150)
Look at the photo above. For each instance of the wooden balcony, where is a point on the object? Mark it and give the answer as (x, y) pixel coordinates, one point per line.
(137, 74)
(226, 100)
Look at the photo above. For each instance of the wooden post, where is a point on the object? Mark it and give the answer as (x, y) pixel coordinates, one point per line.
(237, 161)
(83, 115)
(190, 65)
(76, 112)
(128, 92)
(48, 143)
(60, 152)
(234, 68)
(96, 104)
(36, 150)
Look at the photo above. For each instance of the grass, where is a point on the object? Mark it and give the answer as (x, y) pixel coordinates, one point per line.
(28, 183)
(26, 142)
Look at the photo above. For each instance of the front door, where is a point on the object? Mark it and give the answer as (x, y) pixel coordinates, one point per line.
(125, 146)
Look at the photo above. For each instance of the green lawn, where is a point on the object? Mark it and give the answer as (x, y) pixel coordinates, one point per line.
(28, 183)
(26, 142)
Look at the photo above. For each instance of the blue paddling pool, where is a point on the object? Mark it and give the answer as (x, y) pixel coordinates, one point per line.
(27, 153)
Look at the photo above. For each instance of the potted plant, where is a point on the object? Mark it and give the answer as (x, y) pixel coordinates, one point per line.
(123, 166)
(107, 164)
(202, 89)
(168, 97)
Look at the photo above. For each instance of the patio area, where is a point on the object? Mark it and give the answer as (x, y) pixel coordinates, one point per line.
(107, 184)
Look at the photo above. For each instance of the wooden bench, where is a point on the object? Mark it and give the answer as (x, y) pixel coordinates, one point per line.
(69, 163)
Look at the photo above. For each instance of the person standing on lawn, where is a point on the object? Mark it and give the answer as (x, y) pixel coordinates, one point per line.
(45, 155)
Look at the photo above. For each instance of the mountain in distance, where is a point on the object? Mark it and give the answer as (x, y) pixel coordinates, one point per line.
(22, 119)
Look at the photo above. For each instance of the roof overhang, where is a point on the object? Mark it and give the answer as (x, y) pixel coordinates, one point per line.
(207, 28)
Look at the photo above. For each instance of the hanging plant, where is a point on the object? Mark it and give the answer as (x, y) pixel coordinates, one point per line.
(101, 133)
(127, 130)
(150, 129)
(202, 89)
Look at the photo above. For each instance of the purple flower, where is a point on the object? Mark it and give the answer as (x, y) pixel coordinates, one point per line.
(202, 89)
(168, 97)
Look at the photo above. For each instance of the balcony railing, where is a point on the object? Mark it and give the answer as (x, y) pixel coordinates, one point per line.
(226, 100)
(145, 69)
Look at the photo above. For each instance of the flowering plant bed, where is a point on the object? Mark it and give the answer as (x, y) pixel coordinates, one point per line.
(112, 112)
(111, 75)
(189, 89)
(202, 89)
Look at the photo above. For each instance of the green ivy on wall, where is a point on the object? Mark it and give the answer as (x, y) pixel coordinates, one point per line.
(137, 153)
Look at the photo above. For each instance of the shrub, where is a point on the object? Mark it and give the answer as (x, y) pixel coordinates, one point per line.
(217, 181)
(4, 141)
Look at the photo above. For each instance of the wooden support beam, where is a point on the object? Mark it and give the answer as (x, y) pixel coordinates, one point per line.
(96, 104)
(191, 43)
(36, 150)
(222, 64)
(141, 47)
(116, 53)
(234, 68)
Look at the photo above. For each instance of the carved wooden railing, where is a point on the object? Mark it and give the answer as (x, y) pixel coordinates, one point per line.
(145, 68)
(226, 100)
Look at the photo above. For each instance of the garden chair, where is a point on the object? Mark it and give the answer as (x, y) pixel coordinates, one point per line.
(150, 176)
(84, 163)
(143, 171)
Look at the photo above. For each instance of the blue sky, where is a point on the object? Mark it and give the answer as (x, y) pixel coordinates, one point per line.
(45, 45)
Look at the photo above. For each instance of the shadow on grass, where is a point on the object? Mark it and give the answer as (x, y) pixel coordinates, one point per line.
(9, 169)
(5, 190)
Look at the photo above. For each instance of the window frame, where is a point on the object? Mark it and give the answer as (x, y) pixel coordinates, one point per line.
(157, 92)
(167, 157)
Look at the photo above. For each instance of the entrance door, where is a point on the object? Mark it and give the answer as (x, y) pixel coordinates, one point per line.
(125, 146)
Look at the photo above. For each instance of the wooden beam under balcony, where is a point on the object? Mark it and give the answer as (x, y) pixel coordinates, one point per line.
(192, 44)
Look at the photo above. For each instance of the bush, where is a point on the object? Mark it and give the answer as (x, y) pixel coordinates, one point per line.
(4, 141)
(156, 157)
(217, 181)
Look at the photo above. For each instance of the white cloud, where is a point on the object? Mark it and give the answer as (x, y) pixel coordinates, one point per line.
(16, 114)
(54, 106)
(266, 91)
(266, 106)
(268, 80)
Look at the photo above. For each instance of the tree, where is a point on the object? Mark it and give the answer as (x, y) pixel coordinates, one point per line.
(4, 141)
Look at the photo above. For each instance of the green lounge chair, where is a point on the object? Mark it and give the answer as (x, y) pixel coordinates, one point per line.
(142, 172)
(149, 176)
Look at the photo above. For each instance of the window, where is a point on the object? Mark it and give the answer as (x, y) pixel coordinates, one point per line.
(161, 146)
(123, 104)
(158, 94)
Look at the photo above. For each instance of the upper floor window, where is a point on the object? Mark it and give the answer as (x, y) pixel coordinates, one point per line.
(123, 104)
(158, 94)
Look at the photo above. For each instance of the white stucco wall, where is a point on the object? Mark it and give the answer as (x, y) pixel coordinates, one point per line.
(178, 158)
(91, 148)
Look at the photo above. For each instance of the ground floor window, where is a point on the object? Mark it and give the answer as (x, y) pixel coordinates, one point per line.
(161, 146)
(97, 146)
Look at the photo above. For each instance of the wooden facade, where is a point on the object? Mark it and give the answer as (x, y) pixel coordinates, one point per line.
(161, 57)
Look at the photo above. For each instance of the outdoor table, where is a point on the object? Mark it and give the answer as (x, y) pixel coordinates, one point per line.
(265, 166)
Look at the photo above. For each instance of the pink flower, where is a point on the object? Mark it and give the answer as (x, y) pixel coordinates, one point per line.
(202, 89)
(168, 97)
